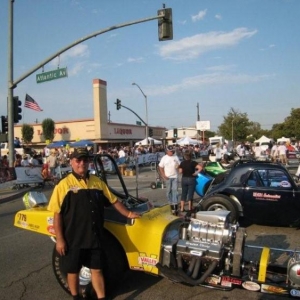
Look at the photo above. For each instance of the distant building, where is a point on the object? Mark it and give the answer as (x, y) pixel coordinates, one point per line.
(98, 129)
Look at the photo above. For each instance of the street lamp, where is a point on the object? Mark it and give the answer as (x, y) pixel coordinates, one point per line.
(146, 109)
(232, 130)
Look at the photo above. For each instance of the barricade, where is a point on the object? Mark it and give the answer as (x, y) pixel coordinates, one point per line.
(29, 175)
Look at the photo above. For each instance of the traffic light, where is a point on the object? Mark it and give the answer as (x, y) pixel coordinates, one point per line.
(17, 109)
(175, 132)
(150, 132)
(4, 124)
(165, 24)
(118, 103)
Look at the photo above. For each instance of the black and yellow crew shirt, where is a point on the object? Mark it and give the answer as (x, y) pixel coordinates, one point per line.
(81, 204)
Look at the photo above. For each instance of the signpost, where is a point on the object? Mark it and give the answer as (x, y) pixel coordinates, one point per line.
(51, 75)
(203, 125)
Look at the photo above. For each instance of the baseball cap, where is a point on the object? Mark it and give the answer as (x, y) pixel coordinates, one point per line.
(170, 148)
(80, 152)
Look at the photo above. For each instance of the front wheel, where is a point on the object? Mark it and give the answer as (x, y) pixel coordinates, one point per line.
(220, 202)
(115, 266)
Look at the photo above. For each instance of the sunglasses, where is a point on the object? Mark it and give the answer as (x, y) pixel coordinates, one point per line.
(80, 159)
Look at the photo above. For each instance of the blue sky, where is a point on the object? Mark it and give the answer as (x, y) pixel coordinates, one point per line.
(243, 54)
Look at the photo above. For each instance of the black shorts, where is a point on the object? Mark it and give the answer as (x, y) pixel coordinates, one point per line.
(73, 261)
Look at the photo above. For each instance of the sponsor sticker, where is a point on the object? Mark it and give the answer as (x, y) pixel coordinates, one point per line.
(137, 268)
(144, 260)
(50, 220)
(271, 289)
(215, 280)
(50, 229)
(251, 286)
(295, 293)
(232, 280)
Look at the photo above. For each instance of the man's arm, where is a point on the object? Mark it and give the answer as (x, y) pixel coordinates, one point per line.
(124, 211)
(162, 173)
(61, 246)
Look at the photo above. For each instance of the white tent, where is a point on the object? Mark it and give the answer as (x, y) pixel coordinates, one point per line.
(150, 141)
(186, 141)
(263, 139)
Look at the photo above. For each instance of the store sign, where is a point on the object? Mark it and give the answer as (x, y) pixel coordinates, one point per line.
(63, 130)
(123, 131)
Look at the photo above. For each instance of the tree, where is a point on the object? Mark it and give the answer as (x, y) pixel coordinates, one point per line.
(48, 126)
(292, 124)
(27, 132)
(236, 126)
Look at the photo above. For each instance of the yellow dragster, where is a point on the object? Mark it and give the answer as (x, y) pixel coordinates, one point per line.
(201, 248)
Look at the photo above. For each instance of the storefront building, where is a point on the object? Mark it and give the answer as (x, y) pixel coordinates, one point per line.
(98, 130)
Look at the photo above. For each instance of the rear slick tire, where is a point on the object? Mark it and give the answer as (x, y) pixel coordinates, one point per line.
(115, 266)
(221, 202)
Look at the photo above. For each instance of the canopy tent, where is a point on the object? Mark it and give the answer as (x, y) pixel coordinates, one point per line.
(82, 143)
(149, 142)
(263, 139)
(58, 144)
(186, 141)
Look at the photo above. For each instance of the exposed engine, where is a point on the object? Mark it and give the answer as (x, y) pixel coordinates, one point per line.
(205, 244)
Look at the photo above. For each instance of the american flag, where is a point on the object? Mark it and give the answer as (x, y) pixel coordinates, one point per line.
(30, 103)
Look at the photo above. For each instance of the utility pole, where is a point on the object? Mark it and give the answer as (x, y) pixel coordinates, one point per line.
(10, 92)
(198, 119)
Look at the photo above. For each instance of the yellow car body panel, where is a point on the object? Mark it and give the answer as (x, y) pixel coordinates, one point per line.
(140, 238)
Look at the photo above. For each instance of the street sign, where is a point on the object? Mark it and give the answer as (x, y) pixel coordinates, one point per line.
(138, 123)
(51, 75)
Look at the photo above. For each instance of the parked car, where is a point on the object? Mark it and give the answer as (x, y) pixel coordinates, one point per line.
(262, 192)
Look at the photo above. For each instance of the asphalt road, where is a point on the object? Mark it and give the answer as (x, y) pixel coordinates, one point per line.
(26, 271)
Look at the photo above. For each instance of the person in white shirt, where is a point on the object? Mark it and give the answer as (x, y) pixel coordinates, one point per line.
(121, 156)
(274, 152)
(33, 161)
(168, 168)
(282, 153)
(240, 149)
(25, 161)
(257, 150)
(218, 152)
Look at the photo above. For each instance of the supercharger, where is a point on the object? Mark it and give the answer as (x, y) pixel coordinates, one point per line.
(206, 243)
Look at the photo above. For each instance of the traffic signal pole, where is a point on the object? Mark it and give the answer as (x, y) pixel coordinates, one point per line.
(10, 92)
(165, 32)
(120, 105)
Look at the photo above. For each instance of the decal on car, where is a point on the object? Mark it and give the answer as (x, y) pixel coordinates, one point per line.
(148, 262)
(266, 196)
(270, 289)
(251, 286)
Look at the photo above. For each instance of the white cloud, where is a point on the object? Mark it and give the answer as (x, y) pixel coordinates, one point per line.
(79, 51)
(182, 22)
(192, 47)
(218, 17)
(208, 79)
(76, 68)
(135, 60)
(200, 16)
(221, 68)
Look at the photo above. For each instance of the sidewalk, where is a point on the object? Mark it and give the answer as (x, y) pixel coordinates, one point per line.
(7, 192)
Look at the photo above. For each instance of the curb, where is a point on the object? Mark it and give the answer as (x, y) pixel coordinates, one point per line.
(13, 195)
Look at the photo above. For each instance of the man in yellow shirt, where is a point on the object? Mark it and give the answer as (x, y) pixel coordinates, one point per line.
(78, 203)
